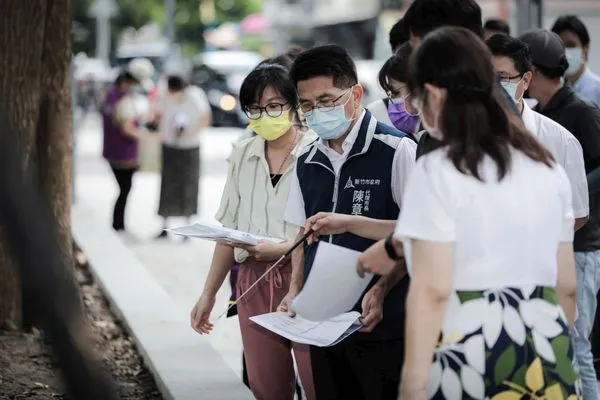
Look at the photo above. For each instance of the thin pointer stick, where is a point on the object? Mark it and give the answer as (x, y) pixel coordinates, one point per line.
(283, 257)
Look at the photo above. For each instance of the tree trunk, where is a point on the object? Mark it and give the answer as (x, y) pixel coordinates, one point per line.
(35, 57)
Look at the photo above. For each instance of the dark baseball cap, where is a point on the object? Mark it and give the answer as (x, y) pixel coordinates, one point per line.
(547, 49)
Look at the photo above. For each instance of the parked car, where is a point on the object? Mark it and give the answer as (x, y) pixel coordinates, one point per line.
(220, 74)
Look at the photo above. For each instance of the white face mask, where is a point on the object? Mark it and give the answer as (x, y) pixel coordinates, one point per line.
(433, 131)
(575, 58)
(511, 88)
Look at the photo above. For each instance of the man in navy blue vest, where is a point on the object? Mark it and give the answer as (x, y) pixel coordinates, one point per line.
(358, 167)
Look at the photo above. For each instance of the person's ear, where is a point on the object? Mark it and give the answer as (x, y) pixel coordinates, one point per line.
(527, 80)
(357, 94)
(586, 50)
(435, 96)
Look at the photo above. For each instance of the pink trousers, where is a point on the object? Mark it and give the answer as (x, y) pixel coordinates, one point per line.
(269, 356)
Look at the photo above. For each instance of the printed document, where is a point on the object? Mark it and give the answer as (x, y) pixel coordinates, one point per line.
(299, 330)
(219, 234)
(333, 286)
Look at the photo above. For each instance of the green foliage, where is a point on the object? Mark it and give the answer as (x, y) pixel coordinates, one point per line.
(137, 13)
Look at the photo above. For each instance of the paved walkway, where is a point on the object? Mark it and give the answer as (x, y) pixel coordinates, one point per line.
(180, 268)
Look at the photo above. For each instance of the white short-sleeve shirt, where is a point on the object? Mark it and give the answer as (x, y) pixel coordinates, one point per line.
(402, 164)
(505, 233)
(566, 150)
(186, 113)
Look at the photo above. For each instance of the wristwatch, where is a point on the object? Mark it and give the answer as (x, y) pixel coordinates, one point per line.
(390, 249)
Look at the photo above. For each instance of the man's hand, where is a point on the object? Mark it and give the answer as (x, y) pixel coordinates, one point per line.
(375, 260)
(265, 250)
(286, 303)
(325, 223)
(372, 308)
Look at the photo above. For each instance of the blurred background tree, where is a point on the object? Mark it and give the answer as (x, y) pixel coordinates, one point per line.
(189, 27)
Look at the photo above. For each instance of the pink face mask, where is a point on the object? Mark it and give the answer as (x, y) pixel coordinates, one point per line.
(401, 118)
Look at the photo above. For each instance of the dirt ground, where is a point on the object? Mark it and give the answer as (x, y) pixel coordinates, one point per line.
(28, 371)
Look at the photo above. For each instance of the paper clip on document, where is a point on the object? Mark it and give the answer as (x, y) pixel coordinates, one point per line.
(275, 265)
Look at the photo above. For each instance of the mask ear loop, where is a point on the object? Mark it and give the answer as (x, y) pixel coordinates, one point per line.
(354, 117)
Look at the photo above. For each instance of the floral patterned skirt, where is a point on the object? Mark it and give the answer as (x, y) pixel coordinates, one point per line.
(504, 344)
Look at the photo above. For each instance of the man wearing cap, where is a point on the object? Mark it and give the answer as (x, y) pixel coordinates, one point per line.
(559, 102)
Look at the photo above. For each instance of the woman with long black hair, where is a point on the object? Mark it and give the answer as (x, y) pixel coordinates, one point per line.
(487, 230)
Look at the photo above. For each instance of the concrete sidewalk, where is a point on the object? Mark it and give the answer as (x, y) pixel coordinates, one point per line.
(180, 268)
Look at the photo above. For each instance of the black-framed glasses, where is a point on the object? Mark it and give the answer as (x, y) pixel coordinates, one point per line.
(507, 79)
(273, 110)
(324, 105)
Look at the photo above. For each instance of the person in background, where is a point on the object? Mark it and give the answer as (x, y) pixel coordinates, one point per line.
(512, 62)
(559, 102)
(576, 38)
(398, 35)
(495, 26)
(424, 16)
(393, 78)
(261, 169)
(379, 108)
(421, 18)
(487, 316)
(357, 167)
(183, 112)
(121, 126)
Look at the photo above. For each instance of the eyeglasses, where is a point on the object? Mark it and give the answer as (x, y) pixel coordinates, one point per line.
(273, 110)
(324, 105)
(507, 79)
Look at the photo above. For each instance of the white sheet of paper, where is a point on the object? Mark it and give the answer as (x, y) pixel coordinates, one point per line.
(219, 234)
(333, 286)
(299, 330)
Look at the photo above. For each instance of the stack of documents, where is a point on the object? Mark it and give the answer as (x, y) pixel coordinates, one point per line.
(299, 330)
(333, 286)
(219, 234)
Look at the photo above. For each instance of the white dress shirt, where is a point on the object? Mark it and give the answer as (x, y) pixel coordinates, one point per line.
(566, 150)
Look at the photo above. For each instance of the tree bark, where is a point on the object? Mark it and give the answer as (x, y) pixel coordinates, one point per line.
(35, 57)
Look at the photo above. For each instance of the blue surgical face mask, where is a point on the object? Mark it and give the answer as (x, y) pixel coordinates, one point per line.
(329, 123)
(575, 58)
(511, 89)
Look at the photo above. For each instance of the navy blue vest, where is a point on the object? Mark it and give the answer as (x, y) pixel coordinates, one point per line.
(363, 187)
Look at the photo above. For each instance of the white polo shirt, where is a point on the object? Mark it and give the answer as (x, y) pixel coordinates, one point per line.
(566, 150)
(403, 162)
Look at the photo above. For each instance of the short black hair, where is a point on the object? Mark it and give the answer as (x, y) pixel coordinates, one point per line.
(513, 48)
(293, 51)
(126, 77)
(396, 67)
(554, 73)
(424, 16)
(329, 60)
(497, 25)
(175, 83)
(262, 77)
(399, 35)
(283, 59)
(573, 24)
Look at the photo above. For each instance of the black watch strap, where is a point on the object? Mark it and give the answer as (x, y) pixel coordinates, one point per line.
(390, 249)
